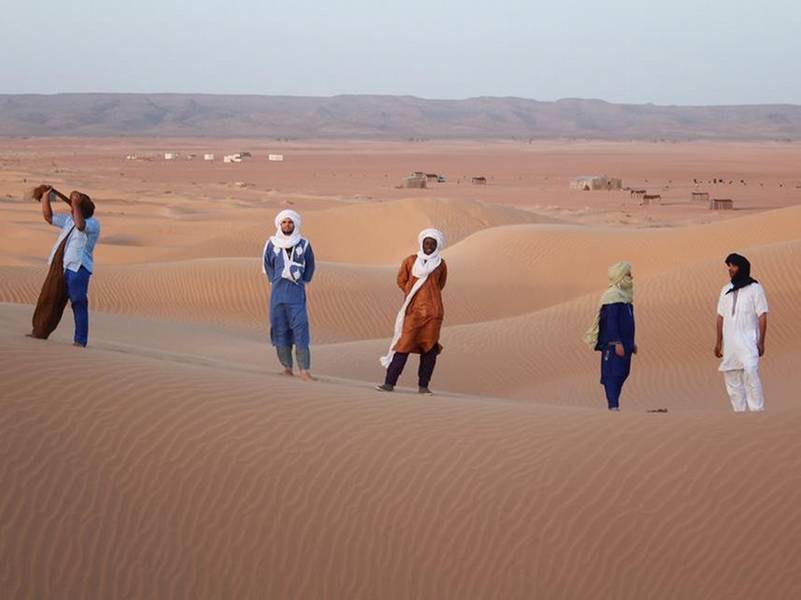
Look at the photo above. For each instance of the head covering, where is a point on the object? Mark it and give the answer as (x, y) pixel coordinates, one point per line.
(621, 289)
(743, 277)
(426, 263)
(434, 234)
(282, 240)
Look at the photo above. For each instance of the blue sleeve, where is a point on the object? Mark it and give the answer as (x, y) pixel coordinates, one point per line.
(612, 325)
(308, 272)
(269, 261)
(92, 226)
(59, 220)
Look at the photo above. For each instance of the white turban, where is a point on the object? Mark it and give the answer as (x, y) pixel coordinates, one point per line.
(434, 234)
(282, 240)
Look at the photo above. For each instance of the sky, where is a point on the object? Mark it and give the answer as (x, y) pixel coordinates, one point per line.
(689, 52)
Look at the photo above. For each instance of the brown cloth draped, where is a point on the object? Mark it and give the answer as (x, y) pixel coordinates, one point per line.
(425, 312)
(53, 297)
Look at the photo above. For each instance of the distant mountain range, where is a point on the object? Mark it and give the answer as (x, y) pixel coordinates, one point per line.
(384, 117)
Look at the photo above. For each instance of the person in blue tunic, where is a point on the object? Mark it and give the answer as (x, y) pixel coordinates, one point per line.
(612, 333)
(288, 262)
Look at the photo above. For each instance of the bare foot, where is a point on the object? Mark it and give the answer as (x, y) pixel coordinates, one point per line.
(287, 372)
(306, 376)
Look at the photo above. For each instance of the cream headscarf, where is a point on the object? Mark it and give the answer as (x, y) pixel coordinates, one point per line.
(621, 289)
(424, 265)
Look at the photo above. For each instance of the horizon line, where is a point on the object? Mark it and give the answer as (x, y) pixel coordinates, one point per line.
(409, 96)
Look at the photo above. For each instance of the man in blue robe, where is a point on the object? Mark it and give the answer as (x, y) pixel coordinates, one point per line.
(288, 262)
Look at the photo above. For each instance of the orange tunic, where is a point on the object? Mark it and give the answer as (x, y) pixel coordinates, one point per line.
(425, 312)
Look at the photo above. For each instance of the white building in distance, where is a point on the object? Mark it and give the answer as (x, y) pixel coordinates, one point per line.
(596, 182)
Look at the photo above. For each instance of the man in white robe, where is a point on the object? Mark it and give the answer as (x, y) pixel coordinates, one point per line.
(742, 324)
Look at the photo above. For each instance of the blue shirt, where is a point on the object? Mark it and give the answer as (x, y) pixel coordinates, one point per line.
(80, 246)
(285, 291)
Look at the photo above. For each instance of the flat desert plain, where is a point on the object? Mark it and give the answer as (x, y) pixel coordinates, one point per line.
(169, 459)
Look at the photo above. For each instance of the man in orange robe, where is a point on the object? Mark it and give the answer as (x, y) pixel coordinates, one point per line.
(422, 277)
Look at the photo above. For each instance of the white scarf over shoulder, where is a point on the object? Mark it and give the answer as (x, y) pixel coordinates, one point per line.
(283, 241)
(424, 265)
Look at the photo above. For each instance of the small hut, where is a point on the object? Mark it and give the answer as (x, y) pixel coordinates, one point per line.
(432, 177)
(637, 194)
(596, 182)
(414, 181)
(648, 199)
(275, 157)
(721, 204)
(208, 157)
(478, 180)
(700, 196)
(170, 155)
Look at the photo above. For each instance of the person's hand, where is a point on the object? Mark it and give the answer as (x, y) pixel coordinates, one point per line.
(620, 350)
(718, 351)
(761, 348)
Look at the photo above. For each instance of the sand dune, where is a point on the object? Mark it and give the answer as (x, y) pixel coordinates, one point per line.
(170, 460)
(499, 272)
(172, 479)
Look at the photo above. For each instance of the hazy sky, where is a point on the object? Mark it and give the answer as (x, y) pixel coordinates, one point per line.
(668, 52)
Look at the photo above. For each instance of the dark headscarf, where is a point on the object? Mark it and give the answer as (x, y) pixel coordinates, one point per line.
(743, 277)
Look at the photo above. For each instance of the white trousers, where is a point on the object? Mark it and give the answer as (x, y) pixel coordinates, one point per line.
(745, 389)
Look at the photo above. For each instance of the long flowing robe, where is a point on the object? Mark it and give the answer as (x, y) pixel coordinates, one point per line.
(425, 313)
(288, 271)
(740, 311)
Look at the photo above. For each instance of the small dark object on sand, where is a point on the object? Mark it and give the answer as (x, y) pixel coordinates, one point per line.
(657, 410)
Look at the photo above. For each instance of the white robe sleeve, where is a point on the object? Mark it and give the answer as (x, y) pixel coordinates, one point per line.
(760, 301)
(722, 303)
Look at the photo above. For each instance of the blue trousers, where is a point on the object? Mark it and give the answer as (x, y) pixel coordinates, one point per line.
(77, 290)
(614, 372)
(303, 356)
(613, 387)
(289, 326)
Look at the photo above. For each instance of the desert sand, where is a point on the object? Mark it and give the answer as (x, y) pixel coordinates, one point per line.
(170, 460)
